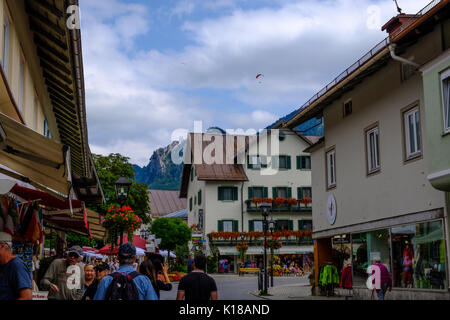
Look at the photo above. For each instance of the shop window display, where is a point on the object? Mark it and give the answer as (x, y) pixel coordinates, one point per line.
(418, 252)
(366, 247)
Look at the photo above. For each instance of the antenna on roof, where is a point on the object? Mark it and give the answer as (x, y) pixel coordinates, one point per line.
(398, 8)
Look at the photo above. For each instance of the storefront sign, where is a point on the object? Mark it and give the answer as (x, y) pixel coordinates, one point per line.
(40, 295)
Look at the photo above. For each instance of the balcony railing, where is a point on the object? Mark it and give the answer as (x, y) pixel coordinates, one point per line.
(251, 207)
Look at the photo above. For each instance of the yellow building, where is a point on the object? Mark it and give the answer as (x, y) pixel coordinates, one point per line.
(43, 129)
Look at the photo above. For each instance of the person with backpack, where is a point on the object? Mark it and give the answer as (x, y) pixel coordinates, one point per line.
(126, 284)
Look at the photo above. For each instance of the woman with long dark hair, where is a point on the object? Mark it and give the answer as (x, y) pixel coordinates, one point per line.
(150, 268)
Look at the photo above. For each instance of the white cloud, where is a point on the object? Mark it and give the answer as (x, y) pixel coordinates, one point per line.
(135, 100)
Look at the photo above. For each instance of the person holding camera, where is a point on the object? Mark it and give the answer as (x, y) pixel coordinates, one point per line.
(151, 268)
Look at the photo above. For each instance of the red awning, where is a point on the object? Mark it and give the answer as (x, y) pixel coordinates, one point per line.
(137, 241)
(44, 198)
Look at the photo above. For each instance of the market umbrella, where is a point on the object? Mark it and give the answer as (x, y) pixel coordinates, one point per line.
(137, 241)
(164, 253)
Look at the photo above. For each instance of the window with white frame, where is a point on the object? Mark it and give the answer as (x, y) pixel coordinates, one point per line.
(446, 99)
(411, 120)
(331, 168)
(5, 57)
(258, 226)
(228, 226)
(372, 142)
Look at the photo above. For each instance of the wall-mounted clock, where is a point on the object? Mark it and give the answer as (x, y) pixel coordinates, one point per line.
(331, 209)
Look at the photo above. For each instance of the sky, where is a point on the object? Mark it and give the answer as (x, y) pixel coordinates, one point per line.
(155, 66)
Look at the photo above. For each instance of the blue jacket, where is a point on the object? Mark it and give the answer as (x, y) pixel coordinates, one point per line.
(143, 284)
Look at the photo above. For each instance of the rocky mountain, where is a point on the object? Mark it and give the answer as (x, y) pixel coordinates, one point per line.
(161, 172)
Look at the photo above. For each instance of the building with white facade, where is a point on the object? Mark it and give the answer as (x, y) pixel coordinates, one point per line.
(370, 173)
(219, 193)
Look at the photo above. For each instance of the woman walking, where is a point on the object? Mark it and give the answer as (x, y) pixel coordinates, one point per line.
(151, 267)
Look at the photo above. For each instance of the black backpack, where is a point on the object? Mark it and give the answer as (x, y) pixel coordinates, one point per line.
(122, 287)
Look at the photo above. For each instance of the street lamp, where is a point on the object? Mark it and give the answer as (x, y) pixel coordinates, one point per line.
(271, 228)
(265, 207)
(122, 188)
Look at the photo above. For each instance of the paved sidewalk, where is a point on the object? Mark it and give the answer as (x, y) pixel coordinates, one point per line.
(293, 292)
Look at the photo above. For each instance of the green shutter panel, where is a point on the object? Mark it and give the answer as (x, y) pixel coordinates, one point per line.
(289, 193)
(235, 193)
(200, 197)
(274, 192)
(299, 193)
(250, 193)
(251, 225)
(288, 160)
(263, 161)
(300, 224)
(190, 204)
(235, 225)
(249, 165)
(265, 192)
(220, 193)
(299, 159)
(220, 225)
(291, 225)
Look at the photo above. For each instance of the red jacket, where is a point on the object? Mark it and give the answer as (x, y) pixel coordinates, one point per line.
(346, 278)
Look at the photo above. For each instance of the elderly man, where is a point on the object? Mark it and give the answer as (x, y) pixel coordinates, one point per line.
(65, 277)
(142, 284)
(15, 277)
(385, 278)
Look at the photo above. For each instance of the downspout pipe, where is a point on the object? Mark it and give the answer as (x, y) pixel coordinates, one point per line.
(397, 58)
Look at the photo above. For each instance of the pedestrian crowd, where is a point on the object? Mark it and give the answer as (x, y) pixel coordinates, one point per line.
(121, 279)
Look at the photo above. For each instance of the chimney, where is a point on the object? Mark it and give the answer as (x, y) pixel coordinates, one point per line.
(398, 23)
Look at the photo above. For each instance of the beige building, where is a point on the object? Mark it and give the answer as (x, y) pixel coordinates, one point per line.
(44, 150)
(372, 198)
(219, 195)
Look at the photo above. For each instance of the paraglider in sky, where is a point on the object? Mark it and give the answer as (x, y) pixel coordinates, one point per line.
(259, 76)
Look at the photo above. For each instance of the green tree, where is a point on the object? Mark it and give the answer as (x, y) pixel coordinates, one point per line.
(172, 231)
(109, 169)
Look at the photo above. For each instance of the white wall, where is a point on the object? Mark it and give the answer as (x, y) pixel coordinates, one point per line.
(399, 188)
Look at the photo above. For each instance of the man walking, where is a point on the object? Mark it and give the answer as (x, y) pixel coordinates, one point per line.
(127, 257)
(65, 277)
(15, 277)
(197, 285)
(385, 278)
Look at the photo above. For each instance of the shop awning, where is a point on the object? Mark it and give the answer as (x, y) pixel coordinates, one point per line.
(41, 160)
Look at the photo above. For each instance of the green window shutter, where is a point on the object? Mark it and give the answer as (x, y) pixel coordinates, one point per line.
(220, 225)
(251, 225)
(289, 193)
(274, 192)
(190, 204)
(220, 193)
(235, 193)
(249, 165)
(299, 162)
(299, 193)
(200, 197)
(235, 225)
(275, 162)
(288, 162)
(291, 225)
(250, 193)
(265, 192)
(263, 161)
